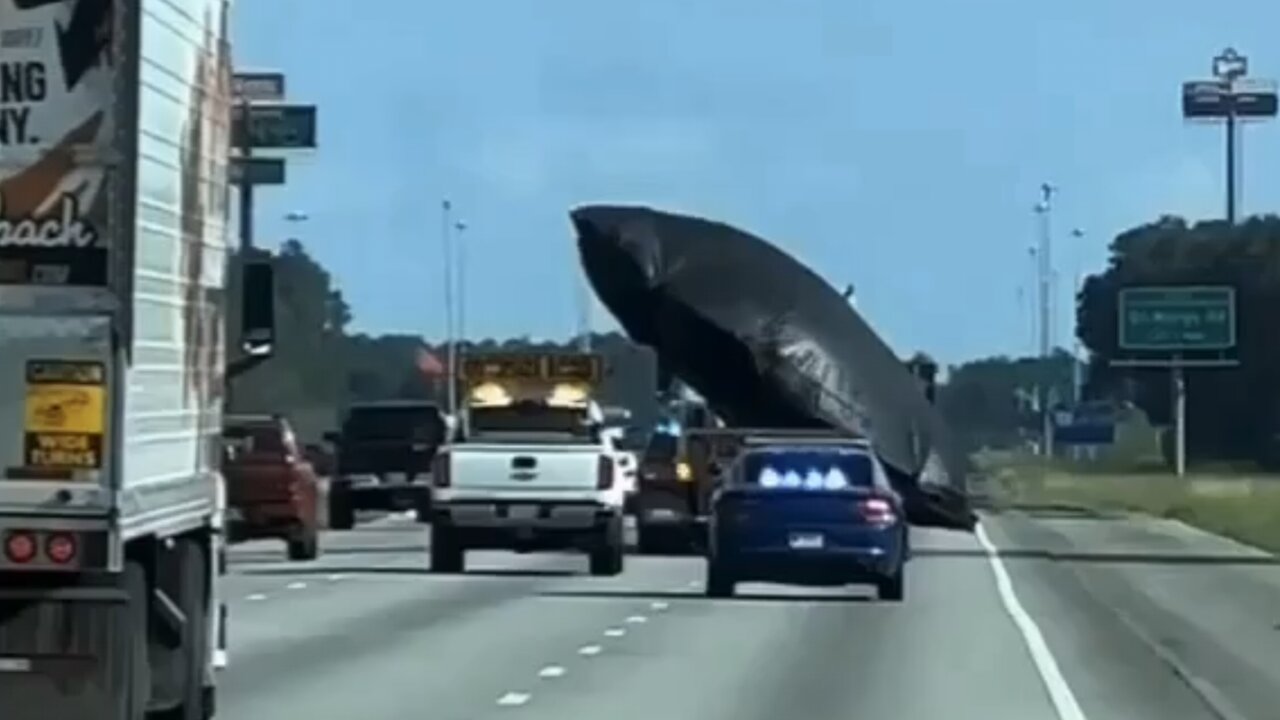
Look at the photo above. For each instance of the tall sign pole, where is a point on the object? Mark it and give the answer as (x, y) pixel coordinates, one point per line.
(1231, 98)
(1177, 327)
(451, 358)
(261, 120)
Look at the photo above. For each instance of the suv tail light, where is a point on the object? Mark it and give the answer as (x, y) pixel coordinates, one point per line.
(604, 473)
(440, 470)
(877, 511)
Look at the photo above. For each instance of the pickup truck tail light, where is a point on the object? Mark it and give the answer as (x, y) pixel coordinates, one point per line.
(604, 473)
(877, 511)
(440, 470)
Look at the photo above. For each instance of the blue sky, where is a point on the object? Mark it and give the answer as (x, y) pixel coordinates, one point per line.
(896, 144)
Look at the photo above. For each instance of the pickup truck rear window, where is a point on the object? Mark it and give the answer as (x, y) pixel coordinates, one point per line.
(394, 423)
(807, 469)
(529, 418)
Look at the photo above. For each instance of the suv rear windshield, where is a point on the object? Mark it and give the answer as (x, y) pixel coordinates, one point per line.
(807, 468)
(662, 447)
(416, 422)
(257, 438)
(529, 417)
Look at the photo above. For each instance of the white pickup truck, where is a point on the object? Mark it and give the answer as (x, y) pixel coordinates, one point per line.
(531, 476)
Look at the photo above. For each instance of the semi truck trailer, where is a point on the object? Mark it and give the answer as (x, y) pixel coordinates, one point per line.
(114, 150)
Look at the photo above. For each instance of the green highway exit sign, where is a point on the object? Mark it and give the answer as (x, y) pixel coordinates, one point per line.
(1177, 318)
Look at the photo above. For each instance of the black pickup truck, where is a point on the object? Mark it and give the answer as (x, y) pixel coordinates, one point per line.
(384, 454)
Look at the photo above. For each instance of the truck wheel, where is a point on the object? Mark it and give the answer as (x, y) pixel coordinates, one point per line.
(447, 555)
(134, 639)
(305, 545)
(193, 599)
(607, 557)
(892, 587)
(719, 581)
(342, 516)
(422, 508)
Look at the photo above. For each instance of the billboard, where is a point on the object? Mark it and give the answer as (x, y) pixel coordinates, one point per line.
(56, 99)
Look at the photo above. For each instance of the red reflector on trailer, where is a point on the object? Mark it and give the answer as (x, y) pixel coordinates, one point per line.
(20, 547)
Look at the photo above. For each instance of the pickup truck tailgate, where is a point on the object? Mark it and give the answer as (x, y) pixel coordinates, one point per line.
(533, 468)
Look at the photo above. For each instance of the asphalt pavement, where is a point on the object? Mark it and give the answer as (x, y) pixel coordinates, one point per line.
(1034, 617)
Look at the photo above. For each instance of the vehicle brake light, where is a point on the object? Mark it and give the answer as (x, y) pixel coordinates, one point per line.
(604, 473)
(20, 547)
(440, 470)
(877, 511)
(61, 548)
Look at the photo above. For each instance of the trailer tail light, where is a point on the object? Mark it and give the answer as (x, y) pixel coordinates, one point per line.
(61, 548)
(604, 473)
(440, 470)
(877, 511)
(20, 547)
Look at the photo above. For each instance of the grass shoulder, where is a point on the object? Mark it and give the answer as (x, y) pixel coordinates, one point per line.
(1232, 502)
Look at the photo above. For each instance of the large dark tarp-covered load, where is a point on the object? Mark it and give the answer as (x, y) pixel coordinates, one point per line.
(768, 343)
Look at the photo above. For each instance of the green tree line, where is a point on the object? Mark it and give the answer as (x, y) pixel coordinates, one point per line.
(1233, 413)
(320, 365)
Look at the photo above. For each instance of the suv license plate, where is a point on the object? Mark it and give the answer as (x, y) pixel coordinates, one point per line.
(807, 541)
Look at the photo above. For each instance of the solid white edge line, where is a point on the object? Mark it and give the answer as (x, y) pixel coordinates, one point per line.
(1064, 701)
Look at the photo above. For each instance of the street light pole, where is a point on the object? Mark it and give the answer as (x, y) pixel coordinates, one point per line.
(460, 228)
(1044, 209)
(1077, 368)
(446, 241)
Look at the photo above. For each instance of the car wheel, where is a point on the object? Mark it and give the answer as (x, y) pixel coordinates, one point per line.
(608, 555)
(719, 582)
(305, 545)
(447, 555)
(342, 516)
(892, 587)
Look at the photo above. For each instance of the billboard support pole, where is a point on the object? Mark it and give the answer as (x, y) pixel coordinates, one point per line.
(1231, 163)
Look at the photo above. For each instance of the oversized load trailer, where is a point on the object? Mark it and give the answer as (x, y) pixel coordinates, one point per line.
(114, 146)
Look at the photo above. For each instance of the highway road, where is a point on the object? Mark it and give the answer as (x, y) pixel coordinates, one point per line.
(1035, 617)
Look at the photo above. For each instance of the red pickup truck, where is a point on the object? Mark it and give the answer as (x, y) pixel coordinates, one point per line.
(272, 491)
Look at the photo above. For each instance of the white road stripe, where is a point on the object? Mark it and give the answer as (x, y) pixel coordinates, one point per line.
(589, 650)
(514, 699)
(551, 671)
(615, 632)
(1064, 701)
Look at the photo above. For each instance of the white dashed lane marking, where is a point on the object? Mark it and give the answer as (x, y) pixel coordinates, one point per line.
(637, 619)
(513, 699)
(659, 606)
(551, 671)
(255, 597)
(589, 650)
(297, 585)
(615, 632)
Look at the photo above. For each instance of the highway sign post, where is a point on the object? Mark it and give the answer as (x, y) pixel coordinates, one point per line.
(1176, 327)
(1229, 98)
(262, 120)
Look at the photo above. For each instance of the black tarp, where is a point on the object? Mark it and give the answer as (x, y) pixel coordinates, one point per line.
(768, 343)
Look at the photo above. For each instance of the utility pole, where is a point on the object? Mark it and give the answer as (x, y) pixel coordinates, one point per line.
(1044, 253)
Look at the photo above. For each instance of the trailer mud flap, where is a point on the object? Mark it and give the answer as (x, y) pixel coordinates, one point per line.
(59, 653)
